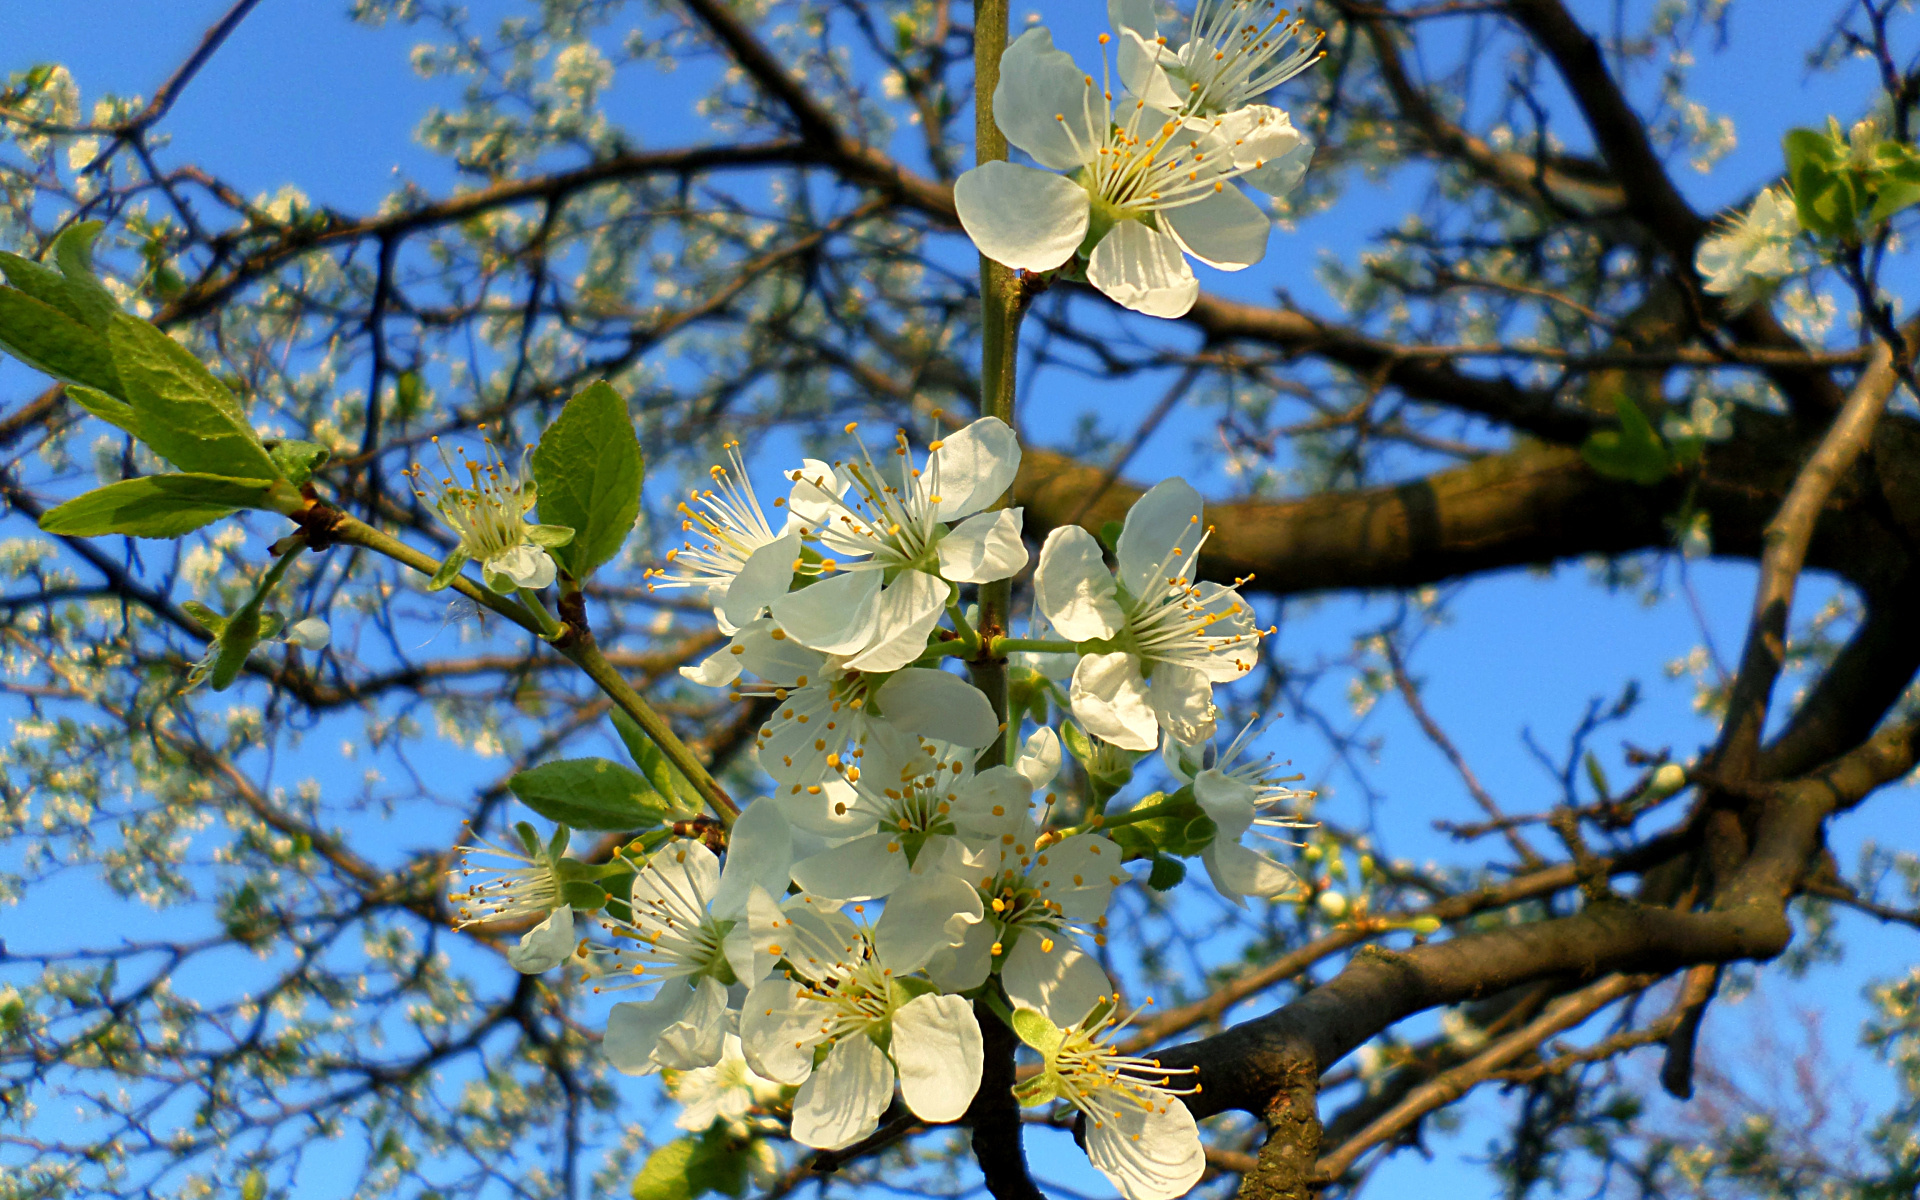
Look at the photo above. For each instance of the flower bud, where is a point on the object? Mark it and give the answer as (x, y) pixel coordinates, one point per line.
(310, 634)
(1333, 905)
(1670, 778)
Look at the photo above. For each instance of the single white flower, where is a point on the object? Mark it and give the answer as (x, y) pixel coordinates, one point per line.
(742, 565)
(1139, 1133)
(1141, 192)
(886, 534)
(905, 801)
(725, 1092)
(309, 634)
(1238, 798)
(1154, 644)
(489, 511)
(1236, 53)
(1752, 251)
(530, 887)
(689, 935)
(826, 706)
(849, 990)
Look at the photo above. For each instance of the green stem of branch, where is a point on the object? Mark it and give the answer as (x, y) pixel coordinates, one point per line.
(1003, 646)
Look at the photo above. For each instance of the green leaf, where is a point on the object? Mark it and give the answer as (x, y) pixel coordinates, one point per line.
(1632, 452)
(1816, 167)
(110, 409)
(73, 251)
(1892, 196)
(298, 460)
(664, 1177)
(584, 896)
(206, 616)
(590, 793)
(1110, 536)
(1166, 874)
(1597, 776)
(50, 341)
(449, 570)
(156, 506)
(589, 467)
(186, 416)
(667, 779)
(254, 1185)
(237, 641)
(719, 1164)
(41, 282)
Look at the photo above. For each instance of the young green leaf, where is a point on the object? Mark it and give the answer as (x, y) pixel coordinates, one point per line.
(1633, 452)
(588, 466)
(591, 793)
(158, 506)
(73, 251)
(110, 409)
(665, 1175)
(244, 630)
(652, 761)
(186, 416)
(298, 460)
(51, 341)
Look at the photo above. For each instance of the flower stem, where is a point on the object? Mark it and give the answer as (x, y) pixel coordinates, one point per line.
(583, 653)
(1002, 646)
(550, 627)
(1002, 305)
(968, 636)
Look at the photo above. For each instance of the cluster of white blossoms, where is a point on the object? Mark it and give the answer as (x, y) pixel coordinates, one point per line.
(1133, 185)
(897, 887)
(1748, 255)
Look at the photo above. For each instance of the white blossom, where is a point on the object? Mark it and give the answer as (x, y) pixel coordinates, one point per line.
(1139, 1133)
(742, 565)
(1238, 798)
(529, 887)
(888, 543)
(726, 1091)
(1153, 643)
(849, 990)
(1142, 189)
(488, 512)
(1752, 251)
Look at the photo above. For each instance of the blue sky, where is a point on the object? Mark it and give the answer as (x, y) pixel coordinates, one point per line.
(299, 95)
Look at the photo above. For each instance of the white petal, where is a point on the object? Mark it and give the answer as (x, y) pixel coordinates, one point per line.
(310, 634)
(1182, 702)
(828, 813)
(815, 493)
(1136, 15)
(1040, 757)
(681, 870)
(527, 565)
(967, 965)
(718, 670)
(763, 578)
(781, 660)
(1142, 269)
(937, 705)
(835, 615)
(1168, 516)
(842, 1101)
(1079, 874)
(1109, 699)
(907, 612)
(545, 946)
(936, 1043)
(1149, 1154)
(931, 911)
(972, 468)
(698, 1037)
(1237, 871)
(633, 1030)
(1234, 617)
(1226, 230)
(996, 801)
(1186, 762)
(1063, 982)
(1227, 800)
(759, 854)
(1073, 587)
(1021, 217)
(984, 547)
(1141, 70)
(865, 868)
(1046, 104)
(778, 1031)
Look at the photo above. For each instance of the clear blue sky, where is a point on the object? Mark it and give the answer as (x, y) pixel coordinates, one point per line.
(301, 96)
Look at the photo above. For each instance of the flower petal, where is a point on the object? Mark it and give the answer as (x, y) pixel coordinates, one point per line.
(1073, 587)
(909, 608)
(1182, 702)
(1225, 230)
(994, 802)
(967, 965)
(1079, 874)
(936, 1043)
(1149, 1153)
(835, 615)
(1166, 518)
(972, 468)
(1142, 269)
(842, 1101)
(778, 1031)
(763, 578)
(1227, 800)
(781, 661)
(1109, 699)
(1141, 70)
(929, 912)
(984, 547)
(718, 670)
(1062, 981)
(1238, 871)
(865, 868)
(699, 1036)
(633, 1030)
(545, 946)
(1021, 217)
(1047, 105)
(1040, 757)
(937, 705)
(759, 854)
